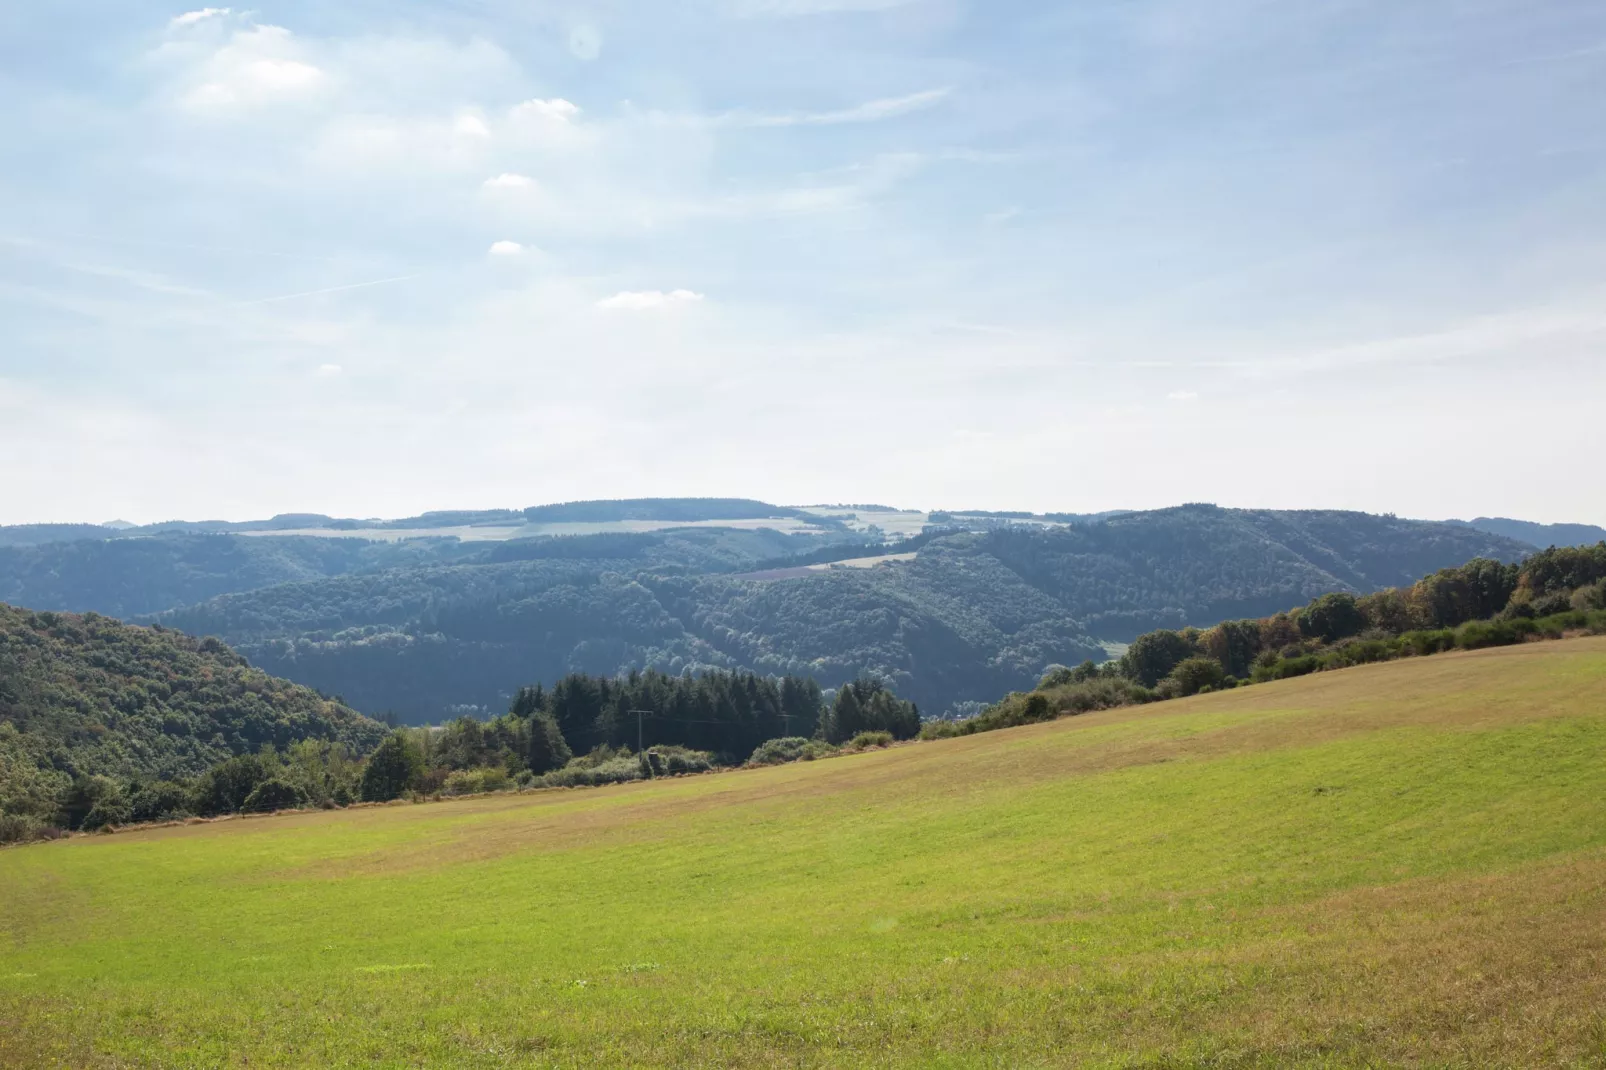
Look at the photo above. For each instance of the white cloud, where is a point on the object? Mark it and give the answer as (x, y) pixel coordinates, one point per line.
(509, 181)
(190, 18)
(556, 110)
(506, 248)
(642, 300)
(328, 371)
(470, 125)
(258, 66)
(1182, 395)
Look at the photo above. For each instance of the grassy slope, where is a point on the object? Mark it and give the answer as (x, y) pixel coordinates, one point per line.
(1398, 864)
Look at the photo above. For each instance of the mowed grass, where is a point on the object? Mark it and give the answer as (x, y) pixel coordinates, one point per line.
(1402, 864)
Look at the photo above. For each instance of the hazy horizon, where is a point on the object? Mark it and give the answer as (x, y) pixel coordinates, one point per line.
(371, 260)
(899, 506)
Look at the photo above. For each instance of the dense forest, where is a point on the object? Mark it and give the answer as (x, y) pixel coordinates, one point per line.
(427, 628)
(102, 724)
(975, 614)
(86, 696)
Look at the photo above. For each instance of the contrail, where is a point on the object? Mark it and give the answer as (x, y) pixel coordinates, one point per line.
(1553, 57)
(329, 290)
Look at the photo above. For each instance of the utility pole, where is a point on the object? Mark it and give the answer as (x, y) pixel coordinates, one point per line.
(639, 715)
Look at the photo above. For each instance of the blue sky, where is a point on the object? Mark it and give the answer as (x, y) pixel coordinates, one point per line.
(372, 258)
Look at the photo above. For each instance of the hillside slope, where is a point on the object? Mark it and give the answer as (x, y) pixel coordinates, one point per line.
(1540, 535)
(1401, 864)
(974, 614)
(88, 695)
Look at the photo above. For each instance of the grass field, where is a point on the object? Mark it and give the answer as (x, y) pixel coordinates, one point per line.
(1402, 864)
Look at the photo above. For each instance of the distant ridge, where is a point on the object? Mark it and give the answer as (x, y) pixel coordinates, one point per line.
(1539, 535)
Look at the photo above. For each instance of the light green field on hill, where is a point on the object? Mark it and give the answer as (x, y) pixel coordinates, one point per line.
(1403, 864)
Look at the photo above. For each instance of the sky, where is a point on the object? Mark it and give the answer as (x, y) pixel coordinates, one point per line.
(376, 257)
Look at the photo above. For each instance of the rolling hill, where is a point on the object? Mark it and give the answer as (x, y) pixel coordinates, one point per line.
(87, 695)
(1397, 864)
(974, 614)
(410, 619)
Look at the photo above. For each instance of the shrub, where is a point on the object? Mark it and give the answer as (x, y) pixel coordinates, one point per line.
(1191, 675)
(274, 794)
(1361, 652)
(677, 761)
(866, 740)
(1548, 605)
(940, 730)
(789, 749)
(20, 828)
(1288, 668)
(1423, 643)
(1589, 598)
(476, 781)
(1477, 634)
(581, 773)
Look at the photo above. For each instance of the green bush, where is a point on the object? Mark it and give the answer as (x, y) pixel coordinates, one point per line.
(789, 749)
(1288, 668)
(1477, 634)
(21, 828)
(866, 740)
(274, 794)
(1593, 597)
(1192, 675)
(476, 781)
(677, 761)
(1431, 641)
(582, 774)
(940, 730)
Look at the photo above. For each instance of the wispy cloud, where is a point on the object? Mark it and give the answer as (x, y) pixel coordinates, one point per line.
(506, 248)
(785, 9)
(328, 290)
(190, 18)
(869, 112)
(645, 300)
(1556, 57)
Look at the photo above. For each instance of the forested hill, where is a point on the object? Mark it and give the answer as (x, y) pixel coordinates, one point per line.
(1539, 535)
(970, 616)
(1200, 564)
(87, 695)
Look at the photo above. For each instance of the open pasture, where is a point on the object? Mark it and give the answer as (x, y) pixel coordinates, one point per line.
(1401, 864)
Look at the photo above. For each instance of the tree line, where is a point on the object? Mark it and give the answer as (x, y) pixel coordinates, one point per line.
(584, 731)
(1483, 603)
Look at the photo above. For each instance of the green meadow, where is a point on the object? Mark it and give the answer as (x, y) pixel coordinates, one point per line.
(1396, 865)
